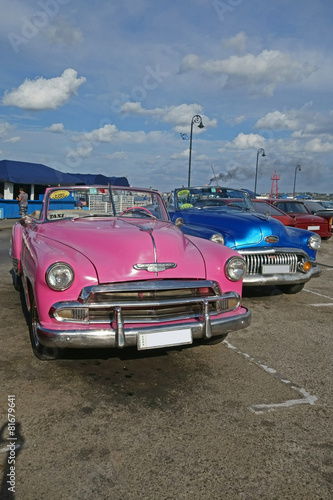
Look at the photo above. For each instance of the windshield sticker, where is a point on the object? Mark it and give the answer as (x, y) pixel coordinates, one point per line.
(59, 195)
(183, 192)
(186, 205)
(56, 216)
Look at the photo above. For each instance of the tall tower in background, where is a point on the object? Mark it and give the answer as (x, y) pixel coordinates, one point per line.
(275, 185)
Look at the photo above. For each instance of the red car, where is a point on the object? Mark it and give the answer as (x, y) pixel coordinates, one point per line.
(263, 207)
(304, 218)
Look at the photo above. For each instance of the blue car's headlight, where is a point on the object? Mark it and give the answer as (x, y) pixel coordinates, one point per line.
(59, 276)
(235, 268)
(314, 242)
(217, 238)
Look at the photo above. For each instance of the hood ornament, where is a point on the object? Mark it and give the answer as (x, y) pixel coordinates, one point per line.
(155, 267)
(271, 239)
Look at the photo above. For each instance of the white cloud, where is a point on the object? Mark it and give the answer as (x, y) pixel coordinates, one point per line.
(246, 141)
(278, 121)
(237, 42)
(118, 155)
(239, 119)
(56, 127)
(181, 155)
(4, 128)
(62, 32)
(265, 70)
(135, 108)
(110, 133)
(82, 151)
(13, 140)
(317, 146)
(41, 94)
(180, 116)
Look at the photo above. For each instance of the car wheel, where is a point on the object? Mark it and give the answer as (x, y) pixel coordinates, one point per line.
(291, 289)
(40, 351)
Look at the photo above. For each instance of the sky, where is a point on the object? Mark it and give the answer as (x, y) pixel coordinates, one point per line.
(112, 87)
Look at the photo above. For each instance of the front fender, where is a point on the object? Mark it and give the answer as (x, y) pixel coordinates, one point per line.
(36, 259)
(16, 245)
(207, 233)
(216, 256)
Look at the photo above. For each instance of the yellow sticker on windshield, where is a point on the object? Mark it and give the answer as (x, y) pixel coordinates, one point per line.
(183, 192)
(59, 195)
(186, 205)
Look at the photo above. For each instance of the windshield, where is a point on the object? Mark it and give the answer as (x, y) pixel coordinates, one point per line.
(84, 201)
(265, 208)
(291, 207)
(313, 205)
(327, 204)
(212, 197)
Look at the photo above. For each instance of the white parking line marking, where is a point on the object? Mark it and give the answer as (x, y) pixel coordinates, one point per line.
(321, 305)
(317, 293)
(307, 398)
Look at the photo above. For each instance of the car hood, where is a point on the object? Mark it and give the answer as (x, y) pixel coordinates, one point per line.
(241, 229)
(115, 246)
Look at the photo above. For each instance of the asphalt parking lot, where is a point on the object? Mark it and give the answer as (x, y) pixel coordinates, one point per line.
(246, 419)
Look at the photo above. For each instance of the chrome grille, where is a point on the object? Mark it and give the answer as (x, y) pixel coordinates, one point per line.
(153, 301)
(254, 262)
(147, 302)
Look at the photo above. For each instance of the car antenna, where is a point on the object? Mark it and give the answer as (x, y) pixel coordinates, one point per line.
(214, 175)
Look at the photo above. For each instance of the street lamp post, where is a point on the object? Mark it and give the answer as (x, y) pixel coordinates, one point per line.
(195, 119)
(298, 167)
(262, 152)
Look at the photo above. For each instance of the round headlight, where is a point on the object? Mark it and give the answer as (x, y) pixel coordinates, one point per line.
(217, 238)
(59, 276)
(314, 242)
(235, 268)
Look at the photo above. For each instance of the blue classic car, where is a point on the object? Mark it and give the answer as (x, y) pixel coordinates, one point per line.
(275, 254)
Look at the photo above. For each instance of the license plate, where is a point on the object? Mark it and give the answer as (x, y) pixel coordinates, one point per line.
(164, 339)
(313, 228)
(275, 268)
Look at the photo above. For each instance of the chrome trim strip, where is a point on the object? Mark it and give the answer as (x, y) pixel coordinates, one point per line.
(273, 250)
(155, 267)
(120, 337)
(136, 286)
(208, 329)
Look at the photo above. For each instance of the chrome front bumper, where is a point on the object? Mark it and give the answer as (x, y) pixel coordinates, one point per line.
(111, 338)
(281, 279)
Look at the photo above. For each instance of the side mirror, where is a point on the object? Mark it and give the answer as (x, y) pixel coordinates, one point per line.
(179, 221)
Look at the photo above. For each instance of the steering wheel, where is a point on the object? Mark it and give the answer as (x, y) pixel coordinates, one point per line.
(139, 210)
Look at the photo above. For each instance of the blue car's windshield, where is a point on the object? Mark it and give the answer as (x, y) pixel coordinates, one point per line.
(212, 197)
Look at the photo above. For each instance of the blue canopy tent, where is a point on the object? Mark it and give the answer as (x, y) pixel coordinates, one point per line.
(21, 172)
(102, 179)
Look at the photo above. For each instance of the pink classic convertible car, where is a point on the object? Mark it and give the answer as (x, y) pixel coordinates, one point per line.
(105, 267)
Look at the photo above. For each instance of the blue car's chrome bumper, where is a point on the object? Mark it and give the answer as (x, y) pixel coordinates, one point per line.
(281, 279)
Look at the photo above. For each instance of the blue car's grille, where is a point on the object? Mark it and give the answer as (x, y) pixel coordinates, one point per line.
(255, 261)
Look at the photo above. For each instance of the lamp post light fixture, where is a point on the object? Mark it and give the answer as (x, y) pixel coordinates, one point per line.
(195, 119)
(262, 152)
(298, 167)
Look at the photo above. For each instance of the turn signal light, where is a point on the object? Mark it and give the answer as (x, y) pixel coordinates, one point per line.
(304, 266)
